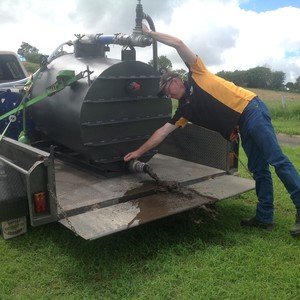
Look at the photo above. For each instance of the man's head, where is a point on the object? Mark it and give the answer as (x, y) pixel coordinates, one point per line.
(171, 85)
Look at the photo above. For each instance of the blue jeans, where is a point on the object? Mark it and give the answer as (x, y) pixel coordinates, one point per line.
(262, 149)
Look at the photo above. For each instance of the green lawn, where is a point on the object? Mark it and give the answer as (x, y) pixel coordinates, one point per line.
(284, 108)
(187, 256)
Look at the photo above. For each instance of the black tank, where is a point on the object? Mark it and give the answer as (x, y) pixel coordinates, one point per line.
(105, 116)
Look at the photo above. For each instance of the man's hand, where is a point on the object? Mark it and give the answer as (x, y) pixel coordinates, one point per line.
(131, 155)
(156, 138)
(145, 29)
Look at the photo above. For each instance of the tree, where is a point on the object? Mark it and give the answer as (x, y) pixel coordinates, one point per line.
(290, 86)
(259, 77)
(237, 77)
(30, 67)
(163, 63)
(297, 84)
(277, 80)
(182, 73)
(30, 53)
(27, 49)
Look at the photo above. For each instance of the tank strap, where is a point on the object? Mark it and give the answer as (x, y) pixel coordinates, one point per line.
(64, 78)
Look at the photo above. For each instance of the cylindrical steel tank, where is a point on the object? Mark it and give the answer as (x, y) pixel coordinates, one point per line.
(105, 117)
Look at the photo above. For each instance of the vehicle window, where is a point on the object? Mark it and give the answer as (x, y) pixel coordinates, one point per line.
(10, 69)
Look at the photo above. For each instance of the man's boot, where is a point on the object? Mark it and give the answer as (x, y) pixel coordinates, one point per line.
(295, 230)
(253, 222)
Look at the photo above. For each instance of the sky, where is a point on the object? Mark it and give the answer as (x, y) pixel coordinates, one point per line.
(228, 35)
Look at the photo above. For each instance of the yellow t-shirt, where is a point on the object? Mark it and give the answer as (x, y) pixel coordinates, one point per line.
(211, 102)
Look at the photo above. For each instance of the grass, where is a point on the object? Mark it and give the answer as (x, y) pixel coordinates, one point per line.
(284, 108)
(186, 256)
(179, 257)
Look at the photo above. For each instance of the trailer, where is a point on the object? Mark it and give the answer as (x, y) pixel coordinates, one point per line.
(63, 162)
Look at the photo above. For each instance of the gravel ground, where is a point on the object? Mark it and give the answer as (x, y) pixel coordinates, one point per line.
(291, 140)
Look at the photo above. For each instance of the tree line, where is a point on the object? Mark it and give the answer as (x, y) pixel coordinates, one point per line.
(258, 77)
(262, 78)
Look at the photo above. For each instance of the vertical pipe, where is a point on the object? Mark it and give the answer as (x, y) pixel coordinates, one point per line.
(154, 44)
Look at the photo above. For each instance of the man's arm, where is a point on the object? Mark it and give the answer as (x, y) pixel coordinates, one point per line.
(156, 138)
(183, 50)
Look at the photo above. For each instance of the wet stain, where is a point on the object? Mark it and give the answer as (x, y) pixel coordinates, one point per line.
(166, 198)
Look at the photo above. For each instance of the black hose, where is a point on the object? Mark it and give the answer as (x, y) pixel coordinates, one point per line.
(154, 44)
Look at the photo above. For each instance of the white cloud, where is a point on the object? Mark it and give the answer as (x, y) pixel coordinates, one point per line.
(224, 35)
(266, 39)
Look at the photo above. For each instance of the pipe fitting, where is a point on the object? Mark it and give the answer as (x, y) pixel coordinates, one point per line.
(137, 166)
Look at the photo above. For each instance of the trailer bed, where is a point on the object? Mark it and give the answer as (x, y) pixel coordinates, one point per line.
(97, 206)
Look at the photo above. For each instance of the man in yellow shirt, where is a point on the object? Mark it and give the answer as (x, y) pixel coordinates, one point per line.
(214, 103)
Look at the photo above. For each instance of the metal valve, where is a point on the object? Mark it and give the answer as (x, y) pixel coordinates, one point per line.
(137, 166)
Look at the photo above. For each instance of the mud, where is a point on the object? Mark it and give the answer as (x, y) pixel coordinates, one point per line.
(171, 186)
(148, 170)
(169, 197)
(168, 200)
(163, 186)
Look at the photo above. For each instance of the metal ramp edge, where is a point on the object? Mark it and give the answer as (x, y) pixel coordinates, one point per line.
(111, 219)
(223, 187)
